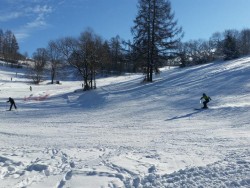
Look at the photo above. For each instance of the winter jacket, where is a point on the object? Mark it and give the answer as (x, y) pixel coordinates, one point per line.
(11, 101)
(206, 98)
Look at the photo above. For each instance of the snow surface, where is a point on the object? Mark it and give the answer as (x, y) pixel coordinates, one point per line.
(128, 134)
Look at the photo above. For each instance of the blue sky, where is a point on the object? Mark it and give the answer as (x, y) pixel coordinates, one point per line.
(35, 22)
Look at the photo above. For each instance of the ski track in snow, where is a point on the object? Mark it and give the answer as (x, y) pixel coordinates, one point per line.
(127, 133)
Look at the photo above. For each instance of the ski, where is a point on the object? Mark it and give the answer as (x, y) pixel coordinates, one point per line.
(200, 108)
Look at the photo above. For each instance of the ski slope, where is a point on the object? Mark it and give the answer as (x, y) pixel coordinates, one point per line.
(128, 134)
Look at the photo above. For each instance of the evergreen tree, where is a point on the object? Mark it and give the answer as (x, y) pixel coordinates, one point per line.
(216, 41)
(230, 47)
(14, 47)
(106, 65)
(245, 42)
(156, 34)
(116, 54)
(1, 42)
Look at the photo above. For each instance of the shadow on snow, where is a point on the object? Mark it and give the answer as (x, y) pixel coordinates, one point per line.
(184, 116)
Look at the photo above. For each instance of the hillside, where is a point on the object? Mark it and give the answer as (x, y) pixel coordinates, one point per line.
(128, 134)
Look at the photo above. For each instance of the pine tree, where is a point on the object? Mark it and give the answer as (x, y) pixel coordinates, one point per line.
(1, 42)
(156, 33)
(116, 53)
(230, 47)
(245, 42)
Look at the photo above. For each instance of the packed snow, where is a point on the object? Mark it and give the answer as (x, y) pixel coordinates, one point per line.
(127, 133)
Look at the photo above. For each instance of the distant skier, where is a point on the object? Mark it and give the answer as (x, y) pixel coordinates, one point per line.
(206, 100)
(12, 102)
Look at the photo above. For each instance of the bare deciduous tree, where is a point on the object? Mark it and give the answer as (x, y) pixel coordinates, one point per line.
(8, 46)
(88, 57)
(37, 69)
(84, 54)
(54, 58)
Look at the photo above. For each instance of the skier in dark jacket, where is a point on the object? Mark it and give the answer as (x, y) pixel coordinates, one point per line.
(206, 100)
(12, 102)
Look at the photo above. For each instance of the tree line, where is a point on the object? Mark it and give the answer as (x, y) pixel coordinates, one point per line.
(88, 54)
(9, 48)
(226, 45)
(156, 43)
(155, 39)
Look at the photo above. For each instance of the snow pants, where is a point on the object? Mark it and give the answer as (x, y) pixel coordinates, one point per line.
(12, 105)
(205, 103)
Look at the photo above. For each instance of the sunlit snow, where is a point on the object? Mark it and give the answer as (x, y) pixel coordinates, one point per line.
(127, 133)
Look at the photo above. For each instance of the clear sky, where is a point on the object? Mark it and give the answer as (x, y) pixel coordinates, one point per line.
(35, 22)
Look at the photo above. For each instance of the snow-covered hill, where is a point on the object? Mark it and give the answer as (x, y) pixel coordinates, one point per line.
(126, 133)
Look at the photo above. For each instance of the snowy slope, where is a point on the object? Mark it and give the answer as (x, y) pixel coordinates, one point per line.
(128, 134)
